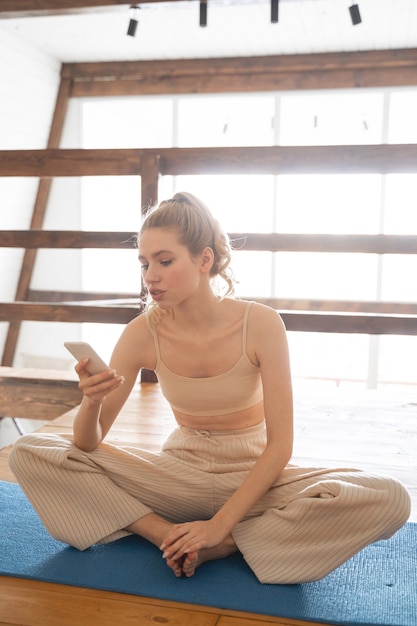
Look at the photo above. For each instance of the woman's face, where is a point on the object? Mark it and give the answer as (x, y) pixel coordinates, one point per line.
(170, 273)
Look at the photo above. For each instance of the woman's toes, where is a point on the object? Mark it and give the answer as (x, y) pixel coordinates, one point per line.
(175, 566)
(190, 564)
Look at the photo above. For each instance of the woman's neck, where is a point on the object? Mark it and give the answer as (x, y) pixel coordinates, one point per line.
(200, 314)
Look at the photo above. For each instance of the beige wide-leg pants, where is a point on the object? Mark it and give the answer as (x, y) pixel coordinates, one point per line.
(308, 523)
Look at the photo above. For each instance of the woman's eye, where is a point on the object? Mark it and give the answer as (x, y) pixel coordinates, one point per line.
(144, 267)
(165, 263)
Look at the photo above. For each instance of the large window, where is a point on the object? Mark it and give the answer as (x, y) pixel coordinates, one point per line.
(328, 204)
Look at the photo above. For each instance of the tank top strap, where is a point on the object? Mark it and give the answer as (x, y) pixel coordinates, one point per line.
(245, 327)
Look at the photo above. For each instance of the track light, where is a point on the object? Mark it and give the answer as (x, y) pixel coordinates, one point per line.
(133, 22)
(203, 13)
(355, 16)
(274, 11)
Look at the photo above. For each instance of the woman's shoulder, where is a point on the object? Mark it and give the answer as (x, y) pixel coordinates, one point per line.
(260, 318)
(265, 323)
(136, 344)
(258, 310)
(138, 330)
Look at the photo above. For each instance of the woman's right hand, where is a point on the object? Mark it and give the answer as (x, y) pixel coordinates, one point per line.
(96, 387)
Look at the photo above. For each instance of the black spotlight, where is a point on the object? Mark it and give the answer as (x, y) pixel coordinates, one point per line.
(355, 16)
(133, 22)
(203, 13)
(274, 11)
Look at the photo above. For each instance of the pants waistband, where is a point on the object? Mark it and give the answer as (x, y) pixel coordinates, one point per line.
(239, 432)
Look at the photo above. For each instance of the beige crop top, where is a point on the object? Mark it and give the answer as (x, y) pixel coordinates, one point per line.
(235, 390)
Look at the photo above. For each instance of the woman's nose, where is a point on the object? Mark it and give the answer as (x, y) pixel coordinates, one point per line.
(151, 276)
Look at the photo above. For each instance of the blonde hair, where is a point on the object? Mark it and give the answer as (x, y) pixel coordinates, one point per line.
(197, 229)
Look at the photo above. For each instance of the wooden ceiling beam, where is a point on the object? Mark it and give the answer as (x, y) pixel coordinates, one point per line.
(42, 8)
(230, 65)
(245, 82)
(376, 68)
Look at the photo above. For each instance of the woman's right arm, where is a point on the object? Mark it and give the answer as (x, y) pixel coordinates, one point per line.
(88, 431)
(104, 394)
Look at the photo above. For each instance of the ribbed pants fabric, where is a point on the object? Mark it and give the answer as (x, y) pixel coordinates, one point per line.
(310, 522)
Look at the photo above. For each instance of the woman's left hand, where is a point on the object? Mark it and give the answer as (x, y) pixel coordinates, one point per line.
(191, 537)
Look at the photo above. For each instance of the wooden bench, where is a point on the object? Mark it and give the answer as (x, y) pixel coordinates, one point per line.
(37, 394)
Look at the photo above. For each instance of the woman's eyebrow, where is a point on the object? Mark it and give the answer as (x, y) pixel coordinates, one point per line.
(155, 254)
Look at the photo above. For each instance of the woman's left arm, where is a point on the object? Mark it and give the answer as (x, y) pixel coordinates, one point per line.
(267, 345)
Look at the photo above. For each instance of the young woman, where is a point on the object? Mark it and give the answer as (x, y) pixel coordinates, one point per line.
(222, 481)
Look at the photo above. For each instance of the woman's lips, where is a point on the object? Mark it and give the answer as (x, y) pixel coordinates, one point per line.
(156, 294)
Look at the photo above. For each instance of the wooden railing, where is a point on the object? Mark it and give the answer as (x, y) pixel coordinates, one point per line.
(299, 315)
(356, 159)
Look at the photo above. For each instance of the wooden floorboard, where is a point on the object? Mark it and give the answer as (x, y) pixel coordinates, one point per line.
(376, 431)
(32, 603)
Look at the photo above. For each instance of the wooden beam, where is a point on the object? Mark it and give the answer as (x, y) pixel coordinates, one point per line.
(336, 70)
(132, 70)
(357, 324)
(279, 304)
(43, 8)
(63, 239)
(78, 313)
(279, 242)
(149, 196)
(342, 306)
(376, 159)
(270, 242)
(78, 162)
(149, 172)
(42, 295)
(246, 83)
(370, 159)
(38, 217)
(294, 321)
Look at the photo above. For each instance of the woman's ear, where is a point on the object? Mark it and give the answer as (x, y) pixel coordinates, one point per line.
(207, 259)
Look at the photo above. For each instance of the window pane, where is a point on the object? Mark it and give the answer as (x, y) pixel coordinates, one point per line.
(325, 275)
(400, 208)
(402, 118)
(398, 360)
(226, 121)
(103, 337)
(329, 203)
(399, 278)
(144, 122)
(111, 271)
(253, 273)
(240, 203)
(331, 118)
(330, 356)
(111, 203)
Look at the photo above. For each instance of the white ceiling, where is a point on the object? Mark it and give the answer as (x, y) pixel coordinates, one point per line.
(235, 28)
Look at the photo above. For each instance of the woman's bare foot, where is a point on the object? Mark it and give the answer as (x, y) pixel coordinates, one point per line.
(154, 528)
(193, 560)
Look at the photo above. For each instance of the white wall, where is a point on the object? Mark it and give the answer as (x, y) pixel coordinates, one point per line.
(29, 81)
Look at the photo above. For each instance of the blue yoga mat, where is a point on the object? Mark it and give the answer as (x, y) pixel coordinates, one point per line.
(377, 587)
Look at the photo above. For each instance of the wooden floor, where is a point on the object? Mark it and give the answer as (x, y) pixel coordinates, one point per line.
(373, 430)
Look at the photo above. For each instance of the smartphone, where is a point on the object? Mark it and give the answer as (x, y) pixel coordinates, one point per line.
(83, 350)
